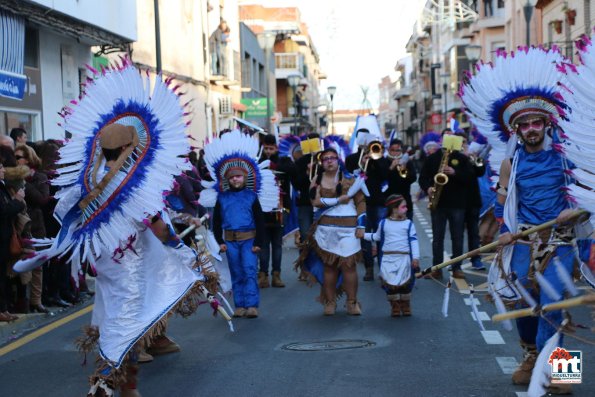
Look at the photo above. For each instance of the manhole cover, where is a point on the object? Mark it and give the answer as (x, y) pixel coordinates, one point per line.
(329, 345)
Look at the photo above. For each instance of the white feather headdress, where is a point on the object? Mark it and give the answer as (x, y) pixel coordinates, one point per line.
(118, 94)
(237, 150)
(516, 84)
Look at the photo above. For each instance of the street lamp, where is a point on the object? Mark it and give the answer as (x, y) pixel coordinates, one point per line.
(331, 92)
(445, 77)
(528, 11)
(293, 80)
(473, 53)
(266, 41)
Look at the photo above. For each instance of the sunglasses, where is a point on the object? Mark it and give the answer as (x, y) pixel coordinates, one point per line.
(535, 124)
(329, 159)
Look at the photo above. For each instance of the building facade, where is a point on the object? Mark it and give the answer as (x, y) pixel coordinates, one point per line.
(54, 42)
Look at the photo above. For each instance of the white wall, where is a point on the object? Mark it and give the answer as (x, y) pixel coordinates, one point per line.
(112, 15)
(50, 45)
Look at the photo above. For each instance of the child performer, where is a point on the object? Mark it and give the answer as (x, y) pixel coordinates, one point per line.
(399, 254)
(238, 225)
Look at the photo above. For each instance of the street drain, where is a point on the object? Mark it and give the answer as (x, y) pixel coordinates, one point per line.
(329, 345)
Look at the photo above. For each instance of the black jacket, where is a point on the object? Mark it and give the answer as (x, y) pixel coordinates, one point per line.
(455, 193)
(9, 208)
(301, 181)
(402, 186)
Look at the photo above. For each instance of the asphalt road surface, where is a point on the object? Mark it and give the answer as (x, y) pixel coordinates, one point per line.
(423, 355)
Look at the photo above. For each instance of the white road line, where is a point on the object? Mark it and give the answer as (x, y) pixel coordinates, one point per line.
(483, 316)
(468, 301)
(427, 231)
(493, 337)
(522, 394)
(507, 364)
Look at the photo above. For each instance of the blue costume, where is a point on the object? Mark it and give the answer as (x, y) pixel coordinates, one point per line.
(238, 223)
(540, 179)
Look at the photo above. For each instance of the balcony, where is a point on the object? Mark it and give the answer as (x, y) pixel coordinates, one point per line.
(288, 63)
(403, 92)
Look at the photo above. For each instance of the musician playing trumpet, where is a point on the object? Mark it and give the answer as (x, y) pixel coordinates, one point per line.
(376, 169)
(401, 174)
(452, 203)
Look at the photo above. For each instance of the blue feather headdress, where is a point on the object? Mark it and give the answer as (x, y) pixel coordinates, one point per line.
(429, 138)
(516, 84)
(117, 94)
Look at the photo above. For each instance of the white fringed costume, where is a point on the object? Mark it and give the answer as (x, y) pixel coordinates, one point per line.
(140, 280)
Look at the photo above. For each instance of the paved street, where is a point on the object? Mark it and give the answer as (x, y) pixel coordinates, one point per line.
(424, 355)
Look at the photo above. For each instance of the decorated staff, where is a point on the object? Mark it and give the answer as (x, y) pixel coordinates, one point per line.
(518, 106)
(128, 143)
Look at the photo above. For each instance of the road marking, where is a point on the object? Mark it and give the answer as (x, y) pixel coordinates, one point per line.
(483, 316)
(493, 337)
(468, 301)
(507, 364)
(44, 330)
(522, 394)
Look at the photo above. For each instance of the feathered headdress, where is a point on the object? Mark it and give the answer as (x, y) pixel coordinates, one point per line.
(338, 143)
(96, 222)
(579, 127)
(428, 139)
(289, 144)
(516, 84)
(235, 150)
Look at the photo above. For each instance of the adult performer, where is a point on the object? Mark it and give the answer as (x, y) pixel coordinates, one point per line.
(127, 145)
(509, 102)
(332, 246)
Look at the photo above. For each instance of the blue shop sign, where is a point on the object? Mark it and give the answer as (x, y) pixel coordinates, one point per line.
(12, 85)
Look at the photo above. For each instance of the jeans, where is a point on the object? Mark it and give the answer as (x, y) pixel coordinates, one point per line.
(242, 267)
(374, 214)
(273, 241)
(472, 223)
(456, 223)
(305, 215)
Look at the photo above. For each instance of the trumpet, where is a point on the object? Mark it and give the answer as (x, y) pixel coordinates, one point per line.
(375, 151)
(402, 170)
(477, 161)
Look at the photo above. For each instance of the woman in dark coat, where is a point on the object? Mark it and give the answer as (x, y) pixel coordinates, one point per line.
(37, 195)
(9, 208)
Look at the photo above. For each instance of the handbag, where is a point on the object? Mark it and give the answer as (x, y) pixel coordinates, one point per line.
(15, 248)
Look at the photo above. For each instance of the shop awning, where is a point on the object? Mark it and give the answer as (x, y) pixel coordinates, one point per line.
(12, 56)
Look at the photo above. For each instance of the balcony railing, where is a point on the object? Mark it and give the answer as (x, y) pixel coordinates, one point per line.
(288, 63)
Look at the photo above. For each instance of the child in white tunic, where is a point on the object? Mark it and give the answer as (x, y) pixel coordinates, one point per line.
(398, 253)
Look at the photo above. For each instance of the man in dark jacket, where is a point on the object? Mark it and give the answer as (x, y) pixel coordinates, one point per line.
(401, 174)
(451, 205)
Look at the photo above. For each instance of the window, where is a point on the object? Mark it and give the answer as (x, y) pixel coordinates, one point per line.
(27, 121)
(31, 47)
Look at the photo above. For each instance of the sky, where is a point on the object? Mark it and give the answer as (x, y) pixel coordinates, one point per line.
(359, 42)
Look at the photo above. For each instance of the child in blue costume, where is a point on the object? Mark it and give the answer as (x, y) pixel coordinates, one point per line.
(238, 226)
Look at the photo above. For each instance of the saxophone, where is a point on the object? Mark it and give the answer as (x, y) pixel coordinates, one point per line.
(440, 179)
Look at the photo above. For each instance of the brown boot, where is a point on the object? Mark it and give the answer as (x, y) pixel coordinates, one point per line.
(559, 389)
(263, 280)
(353, 308)
(522, 375)
(163, 345)
(395, 306)
(405, 305)
(436, 274)
(144, 357)
(329, 308)
(277, 282)
(129, 388)
(239, 312)
(252, 312)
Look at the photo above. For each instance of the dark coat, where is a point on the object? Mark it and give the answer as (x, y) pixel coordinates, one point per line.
(37, 194)
(9, 208)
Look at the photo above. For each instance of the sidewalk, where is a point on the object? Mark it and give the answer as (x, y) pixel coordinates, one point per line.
(27, 323)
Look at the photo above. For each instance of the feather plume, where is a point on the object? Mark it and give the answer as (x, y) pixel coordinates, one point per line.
(500, 307)
(540, 378)
(446, 299)
(547, 287)
(565, 277)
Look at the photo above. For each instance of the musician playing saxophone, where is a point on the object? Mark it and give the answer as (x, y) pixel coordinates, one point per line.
(451, 205)
(401, 174)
